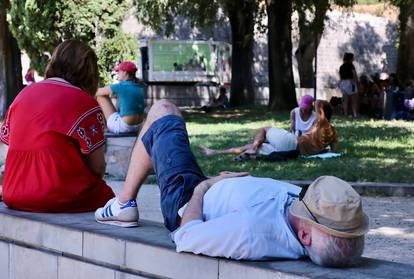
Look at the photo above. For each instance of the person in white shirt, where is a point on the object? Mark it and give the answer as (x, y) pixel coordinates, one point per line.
(302, 117)
(235, 215)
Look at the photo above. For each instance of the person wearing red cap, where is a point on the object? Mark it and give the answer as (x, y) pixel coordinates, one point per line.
(302, 117)
(129, 115)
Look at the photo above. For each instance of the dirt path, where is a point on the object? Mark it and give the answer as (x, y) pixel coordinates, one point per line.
(391, 236)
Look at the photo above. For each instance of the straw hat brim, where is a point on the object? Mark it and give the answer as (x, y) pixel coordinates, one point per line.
(298, 209)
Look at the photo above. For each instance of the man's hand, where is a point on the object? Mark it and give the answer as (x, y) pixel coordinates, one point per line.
(206, 184)
(194, 210)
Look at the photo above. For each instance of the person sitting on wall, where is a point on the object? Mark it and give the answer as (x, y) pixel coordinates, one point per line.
(234, 215)
(270, 140)
(302, 117)
(54, 130)
(130, 102)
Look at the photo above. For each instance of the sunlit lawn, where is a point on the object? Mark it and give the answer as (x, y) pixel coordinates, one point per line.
(373, 150)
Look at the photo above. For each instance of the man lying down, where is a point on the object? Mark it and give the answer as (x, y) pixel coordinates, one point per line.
(235, 215)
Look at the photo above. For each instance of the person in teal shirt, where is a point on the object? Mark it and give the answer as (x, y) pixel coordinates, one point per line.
(129, 115)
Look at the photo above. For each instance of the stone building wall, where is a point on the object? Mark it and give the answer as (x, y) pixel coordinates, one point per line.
(372, 39)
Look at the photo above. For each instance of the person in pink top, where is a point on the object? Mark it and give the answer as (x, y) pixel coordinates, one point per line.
(302, 117)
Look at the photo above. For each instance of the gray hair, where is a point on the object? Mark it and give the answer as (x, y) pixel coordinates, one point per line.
(327, 250)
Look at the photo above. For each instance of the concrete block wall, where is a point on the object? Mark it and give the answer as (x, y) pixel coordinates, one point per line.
(43, 246)
(118, 151)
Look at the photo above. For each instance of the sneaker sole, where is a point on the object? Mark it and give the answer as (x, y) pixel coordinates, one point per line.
(124, 224)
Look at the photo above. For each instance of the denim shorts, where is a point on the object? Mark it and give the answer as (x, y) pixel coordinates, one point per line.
(176, 168)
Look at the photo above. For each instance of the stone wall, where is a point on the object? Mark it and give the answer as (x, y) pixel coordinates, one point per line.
(372, 39)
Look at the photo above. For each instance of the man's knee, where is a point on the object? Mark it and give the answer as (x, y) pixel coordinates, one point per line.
(162, 108)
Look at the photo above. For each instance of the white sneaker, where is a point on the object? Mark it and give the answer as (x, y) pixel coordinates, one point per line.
(117, 214)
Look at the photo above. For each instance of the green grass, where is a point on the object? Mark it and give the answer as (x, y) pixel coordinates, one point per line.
(369, 2)
(373, 150)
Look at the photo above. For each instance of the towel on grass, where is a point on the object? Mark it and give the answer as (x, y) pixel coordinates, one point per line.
(326, 155)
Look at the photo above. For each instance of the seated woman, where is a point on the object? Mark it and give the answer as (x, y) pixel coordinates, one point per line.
(130, 95)
(54, 129)
(268, 140)
(302, 117)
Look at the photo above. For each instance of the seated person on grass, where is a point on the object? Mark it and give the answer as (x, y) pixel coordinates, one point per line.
(130, 101)
(268, 140)
(302, 117)
(234, 215)
(220, 102)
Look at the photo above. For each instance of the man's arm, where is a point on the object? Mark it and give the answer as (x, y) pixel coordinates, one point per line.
(260, 138)
(194, 210)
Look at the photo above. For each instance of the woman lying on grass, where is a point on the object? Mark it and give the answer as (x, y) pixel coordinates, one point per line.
(268, 140)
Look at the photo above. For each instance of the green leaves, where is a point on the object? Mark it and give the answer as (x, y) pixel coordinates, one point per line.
(40, 25)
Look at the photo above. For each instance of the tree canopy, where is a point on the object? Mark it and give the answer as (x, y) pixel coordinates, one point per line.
(40, 25)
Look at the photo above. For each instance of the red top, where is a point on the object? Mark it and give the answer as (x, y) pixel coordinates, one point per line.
(49, 128)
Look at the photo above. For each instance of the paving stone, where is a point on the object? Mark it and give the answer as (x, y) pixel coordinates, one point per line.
(72, 269)
(105, 249)
(28, 263)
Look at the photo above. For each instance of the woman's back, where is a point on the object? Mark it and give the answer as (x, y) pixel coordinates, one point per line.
(50, 127)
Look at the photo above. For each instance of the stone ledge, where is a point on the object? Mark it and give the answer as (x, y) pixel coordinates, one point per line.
(76, 244)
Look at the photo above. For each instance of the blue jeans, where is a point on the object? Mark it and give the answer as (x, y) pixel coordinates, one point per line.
(176, 168)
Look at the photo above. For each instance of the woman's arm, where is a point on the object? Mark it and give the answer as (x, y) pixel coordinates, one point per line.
(292, 121)
(104, 91)
(96, 161)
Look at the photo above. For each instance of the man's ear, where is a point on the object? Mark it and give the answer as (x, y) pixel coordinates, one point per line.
(305, 235)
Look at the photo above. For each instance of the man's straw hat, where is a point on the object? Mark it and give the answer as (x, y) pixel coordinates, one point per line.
(333, 206)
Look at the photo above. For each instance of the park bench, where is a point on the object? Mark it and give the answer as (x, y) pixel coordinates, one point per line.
(40, 245)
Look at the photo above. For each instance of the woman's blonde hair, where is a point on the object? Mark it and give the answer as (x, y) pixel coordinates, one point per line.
(75, 62)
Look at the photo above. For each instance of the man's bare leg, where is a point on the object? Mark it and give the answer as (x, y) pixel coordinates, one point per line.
(140, 163)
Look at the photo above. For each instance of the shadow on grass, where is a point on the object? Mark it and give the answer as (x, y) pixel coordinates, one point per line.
(241, 115)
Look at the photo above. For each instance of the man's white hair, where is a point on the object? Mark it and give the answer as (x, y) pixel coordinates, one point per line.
(327, 250)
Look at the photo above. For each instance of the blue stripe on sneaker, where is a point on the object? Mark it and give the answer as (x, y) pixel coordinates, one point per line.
(130, 203)
(107, 211)
(110, 210)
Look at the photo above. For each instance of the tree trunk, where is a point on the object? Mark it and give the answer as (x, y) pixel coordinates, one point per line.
(405, 69)
(241, 16)
(10, 65)
(282, 95)
(310, 34)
